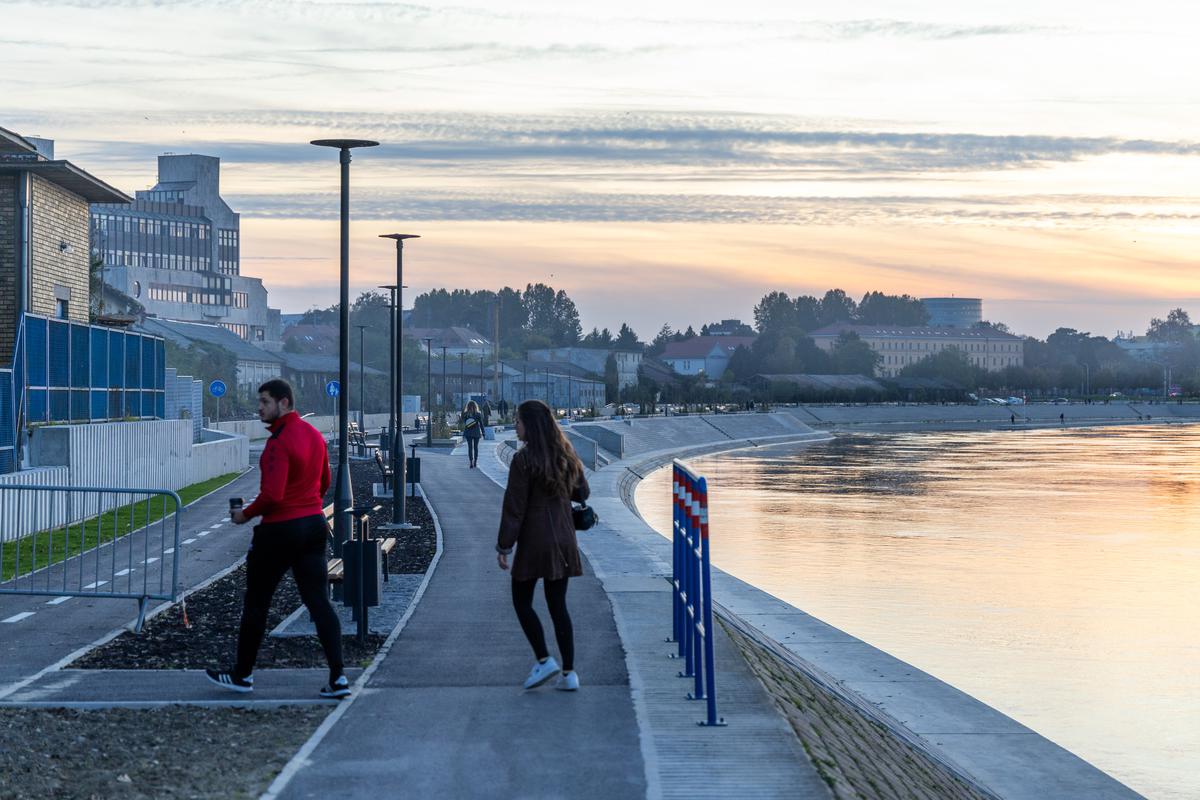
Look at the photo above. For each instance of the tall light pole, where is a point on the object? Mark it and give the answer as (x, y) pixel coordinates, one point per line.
(399, 509)
(343, 497)
(444, 390)
(362, 379)
(462, 377)
(429, 390)
(391, 447)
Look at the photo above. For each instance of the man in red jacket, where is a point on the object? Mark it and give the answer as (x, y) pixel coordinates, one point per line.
(292, 535)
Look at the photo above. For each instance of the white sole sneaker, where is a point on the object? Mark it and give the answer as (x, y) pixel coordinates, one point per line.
(541, 673)
(568, 682)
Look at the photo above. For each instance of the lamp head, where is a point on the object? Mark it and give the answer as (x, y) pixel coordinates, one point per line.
(399, 236)
(344, 144)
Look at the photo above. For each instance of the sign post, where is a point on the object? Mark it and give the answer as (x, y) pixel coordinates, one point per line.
(217, 389)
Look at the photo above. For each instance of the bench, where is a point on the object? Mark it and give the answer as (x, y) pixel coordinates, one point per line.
(384, 469)
(337, 568)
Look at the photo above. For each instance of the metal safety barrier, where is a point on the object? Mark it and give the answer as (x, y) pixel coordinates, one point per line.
(692, 582)
(85, 541)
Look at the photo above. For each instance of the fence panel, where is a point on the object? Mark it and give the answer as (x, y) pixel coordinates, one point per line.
(91, 542)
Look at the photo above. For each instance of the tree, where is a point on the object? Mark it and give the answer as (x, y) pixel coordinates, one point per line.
(742, 364)
(852, 356)
(878, 308)
(612, 384)
(950, 364)
(836, 306)
(996, 326)
(659, 344)
(1177, 327)
(775, 310)
(627, 339)
(598, 338)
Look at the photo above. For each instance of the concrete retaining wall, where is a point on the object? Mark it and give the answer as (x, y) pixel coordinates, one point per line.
(585, 448)
(255, 431)
(960, 416)
(611, 440)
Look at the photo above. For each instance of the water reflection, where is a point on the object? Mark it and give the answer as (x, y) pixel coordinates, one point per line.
(1050, 573)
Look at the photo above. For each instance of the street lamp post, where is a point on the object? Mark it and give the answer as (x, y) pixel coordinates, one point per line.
(343, 498)
(399, 507)
(429, 391)
(444, 404)
(462, 378)
(362, 379)
(391, 447)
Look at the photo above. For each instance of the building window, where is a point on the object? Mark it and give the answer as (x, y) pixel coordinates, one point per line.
(61, 308)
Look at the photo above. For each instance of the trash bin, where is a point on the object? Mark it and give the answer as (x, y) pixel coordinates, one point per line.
(489, 433)
(372, 574)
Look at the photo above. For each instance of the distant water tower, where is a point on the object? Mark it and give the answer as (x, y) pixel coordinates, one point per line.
(953, 312)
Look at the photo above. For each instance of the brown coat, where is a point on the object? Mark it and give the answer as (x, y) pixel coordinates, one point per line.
(541, 526)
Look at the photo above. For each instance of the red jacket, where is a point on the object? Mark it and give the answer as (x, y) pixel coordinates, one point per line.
(295, 472)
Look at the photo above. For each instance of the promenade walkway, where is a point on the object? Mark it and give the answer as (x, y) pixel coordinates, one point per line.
(444, 714)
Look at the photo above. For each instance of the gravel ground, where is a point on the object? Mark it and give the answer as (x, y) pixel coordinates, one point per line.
(174, 752)
(166, 642)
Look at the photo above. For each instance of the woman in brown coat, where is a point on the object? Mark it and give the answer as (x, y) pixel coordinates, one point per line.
(545, 476)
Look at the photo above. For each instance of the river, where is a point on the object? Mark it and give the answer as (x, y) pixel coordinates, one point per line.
(1053, 574)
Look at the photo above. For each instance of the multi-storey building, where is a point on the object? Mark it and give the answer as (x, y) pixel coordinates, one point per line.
(177, 250)
(953, 312)
(43, 234)
(899, 346)
(595, 360)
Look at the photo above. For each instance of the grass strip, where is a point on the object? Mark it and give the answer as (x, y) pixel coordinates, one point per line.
(51, 546)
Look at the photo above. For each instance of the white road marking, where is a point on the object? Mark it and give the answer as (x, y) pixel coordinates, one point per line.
(151, 559)
(123, 572)
(188, 541)
(18, 617)
(214, 527)
(58, 600)
(95, 585)
(169, 550)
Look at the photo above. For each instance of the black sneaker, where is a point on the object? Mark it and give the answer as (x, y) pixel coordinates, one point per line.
(338, 689)
(227, 680)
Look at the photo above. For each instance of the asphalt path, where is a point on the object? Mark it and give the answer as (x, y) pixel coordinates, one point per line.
(444, 715)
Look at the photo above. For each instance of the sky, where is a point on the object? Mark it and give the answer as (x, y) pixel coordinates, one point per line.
(664, 162)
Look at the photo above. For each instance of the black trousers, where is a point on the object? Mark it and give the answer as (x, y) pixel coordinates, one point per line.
(298, 545)
(473, 449)
(556, 601)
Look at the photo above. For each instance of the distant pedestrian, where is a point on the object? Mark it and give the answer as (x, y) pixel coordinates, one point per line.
(472, 428)
(544, 478)
(292, 535)
(1012, 418)
(1062, 419)
(486, 410)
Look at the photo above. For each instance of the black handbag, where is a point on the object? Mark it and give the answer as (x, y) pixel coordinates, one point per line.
(584, 515)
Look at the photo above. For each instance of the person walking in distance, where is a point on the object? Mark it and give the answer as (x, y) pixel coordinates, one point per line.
(472, 428)
(545, 476)
(292, 535)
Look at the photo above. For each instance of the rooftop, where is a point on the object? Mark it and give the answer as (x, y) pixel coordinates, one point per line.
(902, 332)
(701, 346)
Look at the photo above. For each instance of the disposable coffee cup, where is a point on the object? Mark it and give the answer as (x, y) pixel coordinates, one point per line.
(235, 503)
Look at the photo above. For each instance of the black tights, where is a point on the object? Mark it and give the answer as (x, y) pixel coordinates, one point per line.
(299, 545)
(556, 601)
(473, 450)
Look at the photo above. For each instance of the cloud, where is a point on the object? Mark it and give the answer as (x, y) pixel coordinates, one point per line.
(714, 141)
(1058, 211)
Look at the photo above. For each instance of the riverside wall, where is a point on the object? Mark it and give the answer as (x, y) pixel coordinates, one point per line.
(875, 726)
(973, 417)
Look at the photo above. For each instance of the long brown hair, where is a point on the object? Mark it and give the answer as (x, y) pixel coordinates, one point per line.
(548, 452)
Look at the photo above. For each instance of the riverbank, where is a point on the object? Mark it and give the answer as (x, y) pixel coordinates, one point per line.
(904, 722)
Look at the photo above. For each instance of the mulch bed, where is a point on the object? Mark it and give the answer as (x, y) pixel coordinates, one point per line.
(172, 752)
(214, 613)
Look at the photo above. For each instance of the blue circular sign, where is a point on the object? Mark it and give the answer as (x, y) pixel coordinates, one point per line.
(217, 388)
(333, 388)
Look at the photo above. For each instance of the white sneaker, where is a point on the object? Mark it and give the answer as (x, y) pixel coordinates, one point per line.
(568, 682)
(542, 671)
